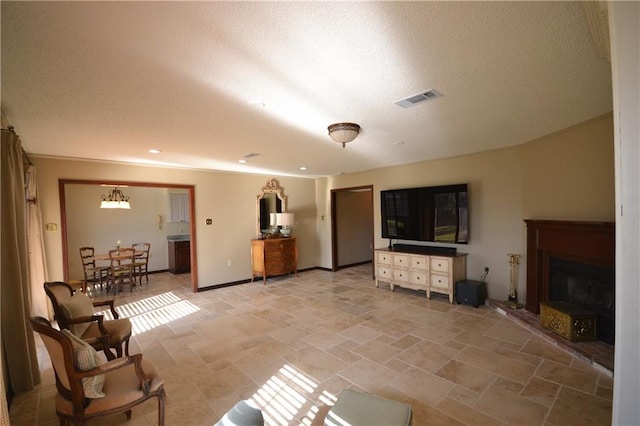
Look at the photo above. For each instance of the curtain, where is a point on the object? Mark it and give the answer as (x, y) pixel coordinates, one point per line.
(35, 243)
(18, 342)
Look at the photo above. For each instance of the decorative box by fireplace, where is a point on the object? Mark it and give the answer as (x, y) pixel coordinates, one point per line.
(569, 321)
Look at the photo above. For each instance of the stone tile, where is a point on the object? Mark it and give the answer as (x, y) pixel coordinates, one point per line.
(540, 391)
(500, 402)
(436, 334)
(424, 414)
(323, 339)
(507, 332)
(344, 354)
(466, 376)
(544, 350)
(499, 364)
(421, 385)
(513, 351)
(397, 365)
(317, 364)
(577, 408)
(584, 381)
(360, 334)
(473, 338)
(427, 356)
(368, 375)
(405, 341)
(377, 351)
(465, 414)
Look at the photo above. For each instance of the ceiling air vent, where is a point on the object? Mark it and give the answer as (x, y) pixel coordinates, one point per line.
(412, 100)
(250, 155)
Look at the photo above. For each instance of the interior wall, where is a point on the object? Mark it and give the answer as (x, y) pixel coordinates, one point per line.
(624, 21)
(570, 175)
(354, 224)
(507, 186)
(229, 199)
(86, 223)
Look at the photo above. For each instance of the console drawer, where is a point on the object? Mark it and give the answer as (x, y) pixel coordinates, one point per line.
(400, 260)
(400, 275)
(384, 258)
(419, 262)
(439, 282)
(440, 264)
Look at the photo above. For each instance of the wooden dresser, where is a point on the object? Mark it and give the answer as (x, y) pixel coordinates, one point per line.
(273, 256)
(421, 271)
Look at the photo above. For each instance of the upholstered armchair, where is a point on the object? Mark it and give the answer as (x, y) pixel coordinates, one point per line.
(88, 389)
(74, 311)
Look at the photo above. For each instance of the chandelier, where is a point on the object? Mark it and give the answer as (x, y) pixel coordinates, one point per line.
(115, 200)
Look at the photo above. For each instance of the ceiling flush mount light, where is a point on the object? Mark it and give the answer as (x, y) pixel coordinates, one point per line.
(155, 151)
(115, 200)
(343, 132)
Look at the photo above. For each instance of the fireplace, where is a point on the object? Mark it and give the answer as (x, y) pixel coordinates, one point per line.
(573, 262)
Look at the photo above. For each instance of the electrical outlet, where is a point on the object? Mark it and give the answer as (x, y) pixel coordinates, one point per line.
(229, 263)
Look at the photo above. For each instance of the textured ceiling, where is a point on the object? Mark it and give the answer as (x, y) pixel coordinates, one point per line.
(111, 80)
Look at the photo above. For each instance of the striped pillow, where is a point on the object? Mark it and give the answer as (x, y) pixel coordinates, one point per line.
(86, 358)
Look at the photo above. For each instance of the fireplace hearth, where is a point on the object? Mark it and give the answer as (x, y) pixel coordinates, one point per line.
(573, 262)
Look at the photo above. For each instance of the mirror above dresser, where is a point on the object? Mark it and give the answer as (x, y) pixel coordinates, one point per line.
(270, 201)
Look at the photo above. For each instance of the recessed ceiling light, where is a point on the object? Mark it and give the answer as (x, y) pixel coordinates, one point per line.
(155, 151)
(242, 161)
(257, 104)
(303, 168)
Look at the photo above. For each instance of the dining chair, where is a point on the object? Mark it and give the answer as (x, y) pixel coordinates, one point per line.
(88, 389)
(122, 268)
(93, 274)
(141, 261)
(74, 311)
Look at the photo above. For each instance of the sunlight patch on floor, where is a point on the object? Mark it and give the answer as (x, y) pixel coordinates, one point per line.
(282, 397)
(153, 311)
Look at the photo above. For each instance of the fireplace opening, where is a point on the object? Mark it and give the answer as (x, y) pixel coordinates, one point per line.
(588, 286)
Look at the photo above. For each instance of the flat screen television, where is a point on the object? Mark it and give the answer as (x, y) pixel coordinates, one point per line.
(435, 214)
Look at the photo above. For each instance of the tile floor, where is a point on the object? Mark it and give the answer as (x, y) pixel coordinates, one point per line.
(294, 344)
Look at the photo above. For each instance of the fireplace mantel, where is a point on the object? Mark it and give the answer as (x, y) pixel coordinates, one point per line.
(586, 242)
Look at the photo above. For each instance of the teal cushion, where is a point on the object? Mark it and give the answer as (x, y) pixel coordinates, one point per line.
(242, 414)
(361, 409)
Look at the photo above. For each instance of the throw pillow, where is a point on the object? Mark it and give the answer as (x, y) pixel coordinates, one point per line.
(86, 358)
(79, 305)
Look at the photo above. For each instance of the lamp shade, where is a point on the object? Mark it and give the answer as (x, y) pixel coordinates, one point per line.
(285, 219)
(115, 200)
(343, 132)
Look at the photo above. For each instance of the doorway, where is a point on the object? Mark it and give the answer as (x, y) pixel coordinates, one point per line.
(116, 224)
(351, 226)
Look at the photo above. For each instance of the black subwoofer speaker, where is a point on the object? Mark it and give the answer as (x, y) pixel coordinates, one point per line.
(471, 292)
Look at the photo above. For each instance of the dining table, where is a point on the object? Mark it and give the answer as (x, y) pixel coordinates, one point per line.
(105, 256)
(118, 257)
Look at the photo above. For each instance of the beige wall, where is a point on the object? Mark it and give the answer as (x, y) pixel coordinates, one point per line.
(568, 176)
(564, 176)
(229, 199)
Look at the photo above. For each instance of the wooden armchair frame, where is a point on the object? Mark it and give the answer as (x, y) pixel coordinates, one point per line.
(69, 381)
(55, 289)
